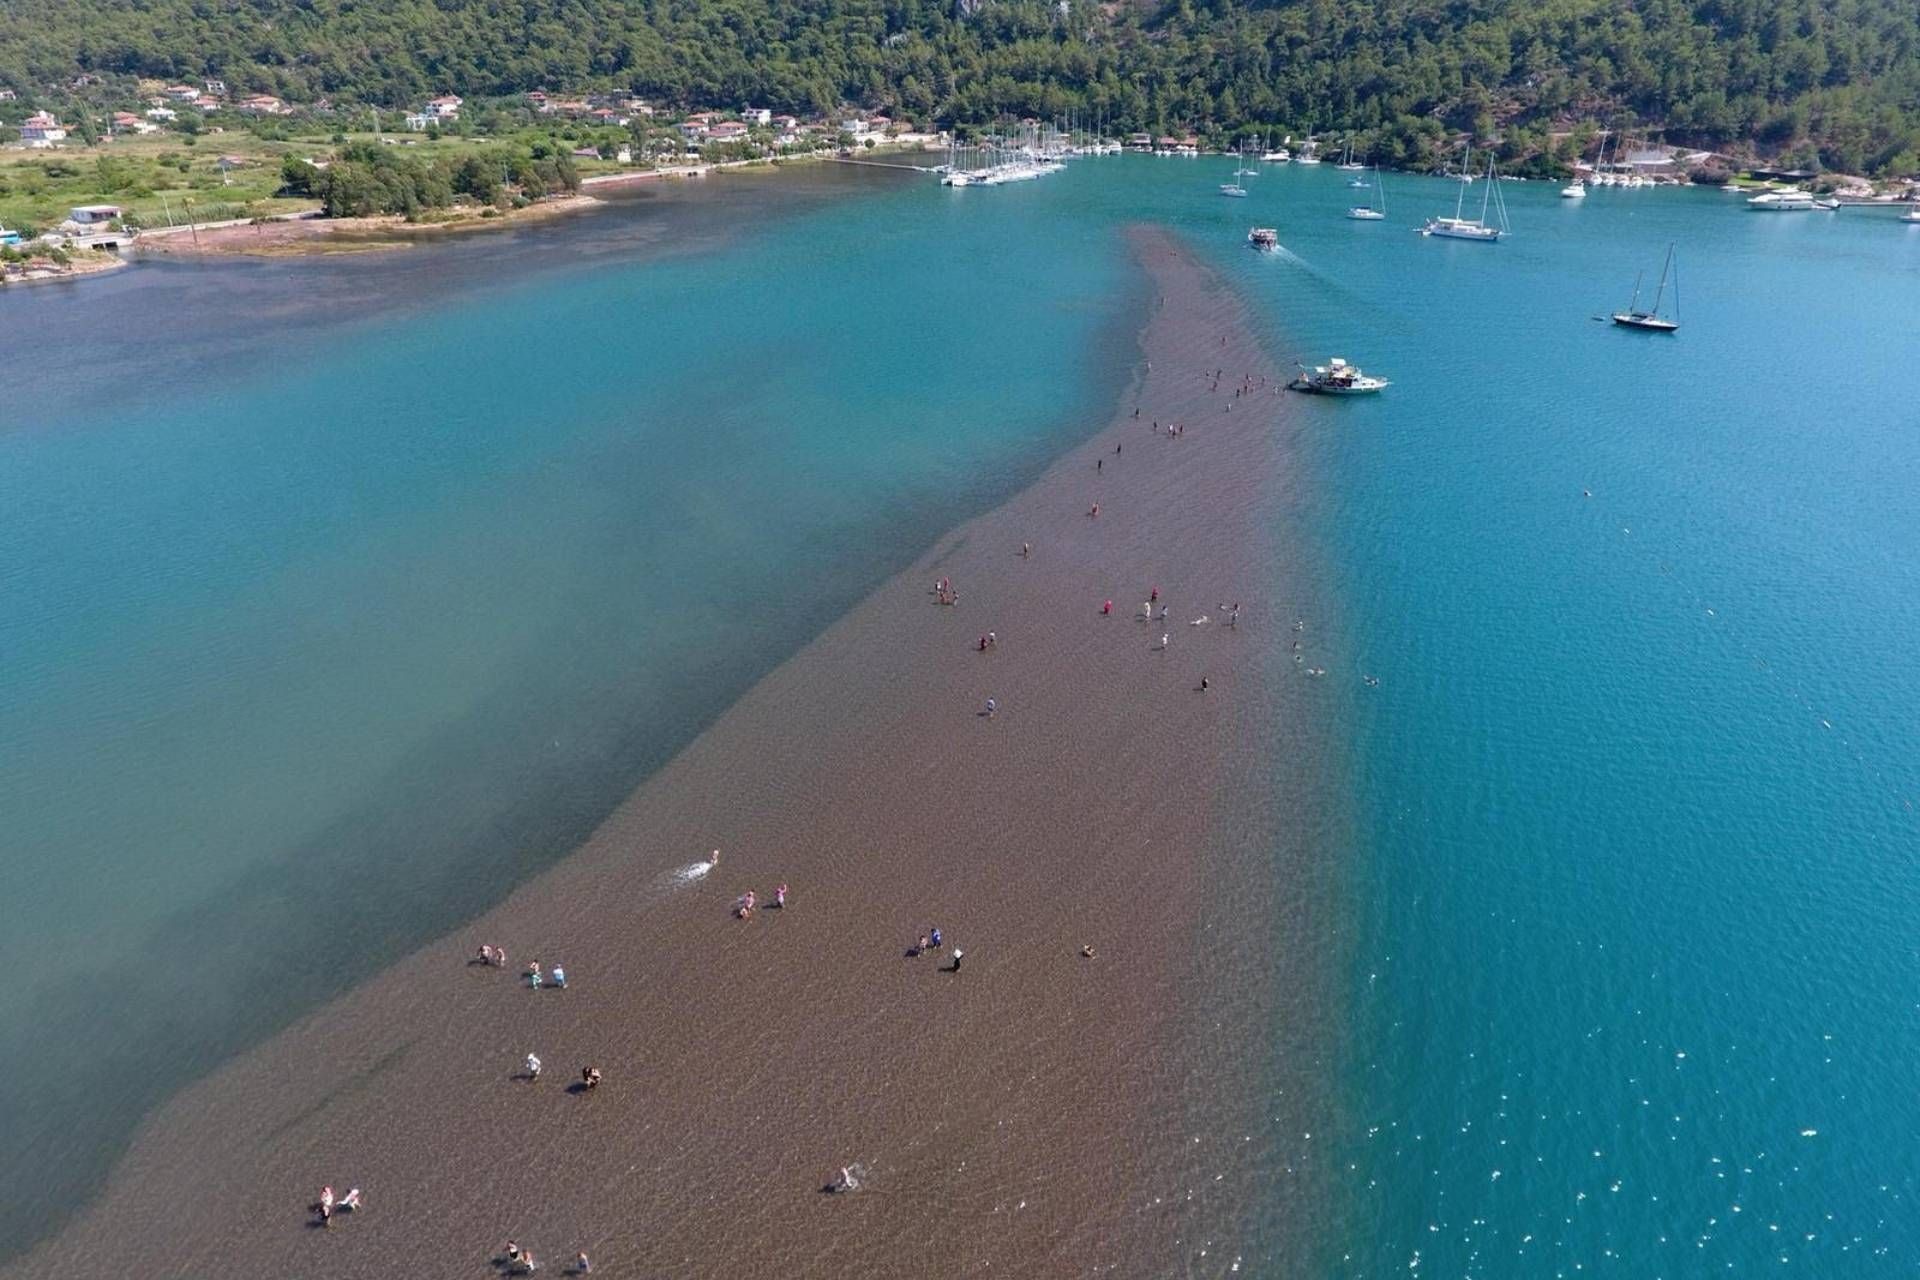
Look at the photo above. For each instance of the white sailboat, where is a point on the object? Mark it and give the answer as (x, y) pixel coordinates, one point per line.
(1349, 163)
(1375, 210)
(1307, 154)
(1650, 320)
(1463, 228)
(1912, 214)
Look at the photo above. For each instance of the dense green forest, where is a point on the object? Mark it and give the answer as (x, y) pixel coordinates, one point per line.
(1835, 82)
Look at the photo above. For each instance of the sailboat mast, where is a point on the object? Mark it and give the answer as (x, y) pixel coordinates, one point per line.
(1461, 196)
(1486, 195)
(1663, 281)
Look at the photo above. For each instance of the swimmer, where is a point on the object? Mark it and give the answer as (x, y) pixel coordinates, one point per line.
(1087, 951)
(1205, 684)
(533, 1067)
(351, 1200)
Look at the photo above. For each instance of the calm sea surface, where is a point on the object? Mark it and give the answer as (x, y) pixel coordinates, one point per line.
(336, 597)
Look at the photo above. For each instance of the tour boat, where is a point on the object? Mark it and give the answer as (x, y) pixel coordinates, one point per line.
(1650, 320)
(1781, 202)
(1336, 378)
(1478, 229)
(1264, 238)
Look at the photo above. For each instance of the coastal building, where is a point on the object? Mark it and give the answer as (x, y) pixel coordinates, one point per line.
(8, 95)
(181, 92)
(728, 131)
(41, 130)
(93, 215)
(263, 104)
(418, 120)
(127, 122)
(162, 114)
(217, 87)
(445, 107)
(207, 103)
(762, 116)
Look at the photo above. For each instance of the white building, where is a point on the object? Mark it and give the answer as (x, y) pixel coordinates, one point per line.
(41, 130)
(446, 107)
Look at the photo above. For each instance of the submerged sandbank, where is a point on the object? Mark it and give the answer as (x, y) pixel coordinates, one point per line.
(1021, 1115)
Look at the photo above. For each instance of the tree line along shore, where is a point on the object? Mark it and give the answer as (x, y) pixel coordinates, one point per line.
(1804, 84)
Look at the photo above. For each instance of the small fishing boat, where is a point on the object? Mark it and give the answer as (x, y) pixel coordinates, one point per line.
(1265, 238)
(1337, 378)
(1650, 320)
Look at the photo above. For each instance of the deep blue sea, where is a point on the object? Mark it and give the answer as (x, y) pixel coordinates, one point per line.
(338, 596)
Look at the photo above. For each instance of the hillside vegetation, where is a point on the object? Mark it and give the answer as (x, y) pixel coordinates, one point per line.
(1835, 82)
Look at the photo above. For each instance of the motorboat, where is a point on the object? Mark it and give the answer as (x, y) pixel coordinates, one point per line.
(1575, 190)
(1337, 378)
(1781, 202)
(1264, 238)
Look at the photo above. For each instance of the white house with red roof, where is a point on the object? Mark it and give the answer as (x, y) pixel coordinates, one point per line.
(41, 130)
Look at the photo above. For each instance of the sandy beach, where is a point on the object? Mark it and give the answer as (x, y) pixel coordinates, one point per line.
(283, 237)
(1038, 1112)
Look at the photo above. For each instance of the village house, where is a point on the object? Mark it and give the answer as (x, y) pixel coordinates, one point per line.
(878, 124)
(127, 122)
(761, 116)
(418, 121)
(41, 130)
(89, 217)
(445, 107)
(7, 95)
(856, 126)
(181, 92)
(728, 131)
(262, 104)
(216, 87)
(207, 103)
(786, 124)
(161, 113)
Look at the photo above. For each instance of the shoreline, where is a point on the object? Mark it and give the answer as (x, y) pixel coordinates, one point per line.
(1014, 1116)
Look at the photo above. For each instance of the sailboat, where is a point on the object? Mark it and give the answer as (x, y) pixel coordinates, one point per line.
(1463, 228)
(1651, 320)
(1375, 210)
(1349, 163)
(1912, 214)
(1308, 153)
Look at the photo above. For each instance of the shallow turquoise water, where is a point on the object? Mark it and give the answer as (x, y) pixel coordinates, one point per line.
(1631, 956)
(322, 647)
(314, 653)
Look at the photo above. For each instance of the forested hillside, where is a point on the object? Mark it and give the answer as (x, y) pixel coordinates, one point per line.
(1836, 81)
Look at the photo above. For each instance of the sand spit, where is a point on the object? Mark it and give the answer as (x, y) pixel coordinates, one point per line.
(1019, 1117)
